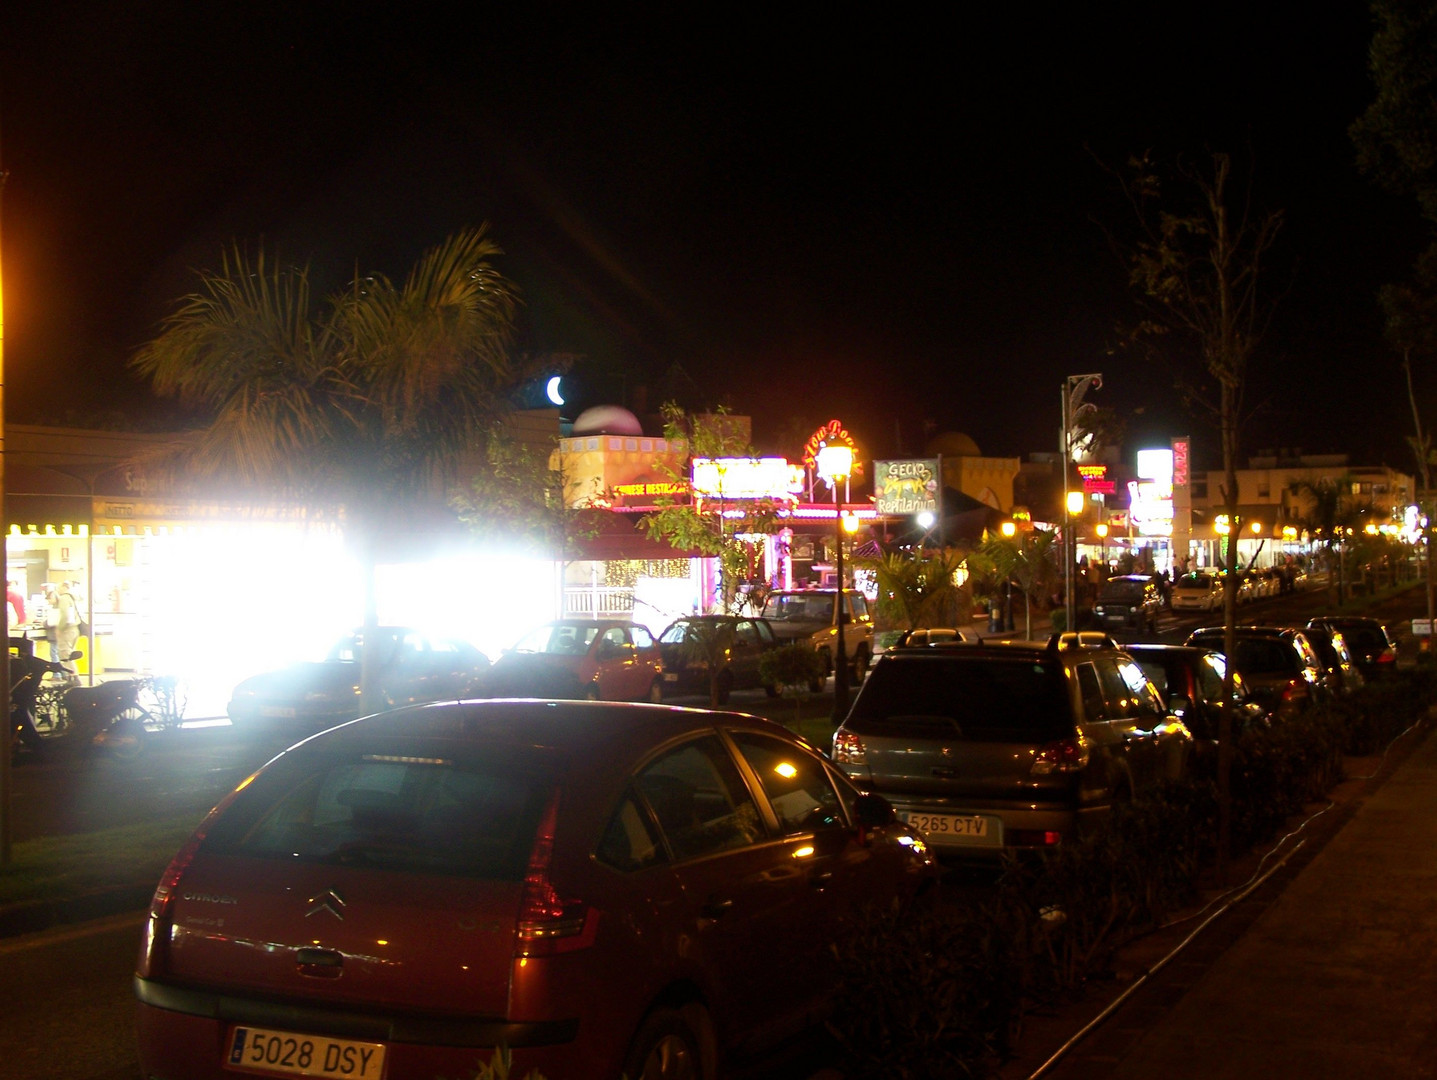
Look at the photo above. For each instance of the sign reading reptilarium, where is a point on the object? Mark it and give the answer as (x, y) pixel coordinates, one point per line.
(905, 487)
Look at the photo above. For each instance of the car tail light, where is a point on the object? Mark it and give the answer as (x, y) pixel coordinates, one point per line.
(1386, 658)
(848, 749)
(548, 922)
(1063, 756)
(1033, 837)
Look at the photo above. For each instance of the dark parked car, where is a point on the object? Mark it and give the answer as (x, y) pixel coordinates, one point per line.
(599, 659)
(1282, 668)
(307, 697)
(1129, 602)
(1190, 680)
(1342, 675)
(603, 888)
(731, 642)
(1009, 745)
(1372, 644)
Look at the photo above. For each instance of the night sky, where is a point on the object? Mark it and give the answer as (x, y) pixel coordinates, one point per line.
(889, 216)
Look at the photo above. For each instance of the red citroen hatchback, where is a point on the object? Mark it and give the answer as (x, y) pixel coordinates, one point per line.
(604, 889)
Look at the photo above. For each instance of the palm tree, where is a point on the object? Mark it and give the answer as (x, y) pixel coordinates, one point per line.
(1027, 559)
(357, 406)
(1328, 513)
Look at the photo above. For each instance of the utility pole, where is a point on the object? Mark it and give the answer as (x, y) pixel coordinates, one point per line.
(1075, 387)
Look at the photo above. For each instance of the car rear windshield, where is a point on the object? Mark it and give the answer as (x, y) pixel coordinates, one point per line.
(1365, 637)
(1194, 581)
(391, 811)
(1125, 591)
(984, 698)
(809, 607)
(1257, 656)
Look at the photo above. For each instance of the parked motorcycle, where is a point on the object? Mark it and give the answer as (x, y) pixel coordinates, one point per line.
(107, 716)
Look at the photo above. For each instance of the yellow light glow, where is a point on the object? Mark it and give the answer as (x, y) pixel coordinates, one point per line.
(1102, 529)
(834, 461)
(1256, 527)
(1009, 529)
(1075, 502)
(850, 523)
(803, 852)
(1220, 524)
(785, 770)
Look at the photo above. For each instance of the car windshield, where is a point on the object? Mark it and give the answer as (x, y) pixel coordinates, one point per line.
(1194, 581)
(390, 810)
(805, 607)
(350, 647)
(685, 630)
(1018, 699)
(560, 639)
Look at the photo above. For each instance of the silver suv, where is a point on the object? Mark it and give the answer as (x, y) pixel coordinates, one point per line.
(812, 615)
(1009, 745)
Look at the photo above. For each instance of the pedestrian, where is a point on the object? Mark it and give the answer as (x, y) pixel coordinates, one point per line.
(62, 623)
(15, 604)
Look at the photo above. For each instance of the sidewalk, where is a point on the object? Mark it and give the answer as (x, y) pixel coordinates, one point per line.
(1331, 971)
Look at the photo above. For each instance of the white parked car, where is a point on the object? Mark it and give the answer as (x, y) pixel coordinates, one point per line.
(1197, 592)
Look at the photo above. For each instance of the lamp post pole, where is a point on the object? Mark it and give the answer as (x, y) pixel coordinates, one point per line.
(840, 662)
(835, 464)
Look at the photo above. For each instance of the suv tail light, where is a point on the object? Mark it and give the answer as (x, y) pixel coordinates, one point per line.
(1063, 756)
(548, 922)
(848, 749)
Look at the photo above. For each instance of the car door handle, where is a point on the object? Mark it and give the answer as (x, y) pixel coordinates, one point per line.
(716, 907)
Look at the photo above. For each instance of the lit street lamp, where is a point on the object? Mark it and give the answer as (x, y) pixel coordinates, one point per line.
(1101, 528)
(1073, 505)
(834, 462)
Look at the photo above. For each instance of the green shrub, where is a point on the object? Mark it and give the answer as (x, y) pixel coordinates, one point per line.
(938, 993)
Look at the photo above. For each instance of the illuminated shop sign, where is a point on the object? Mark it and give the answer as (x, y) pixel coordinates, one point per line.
(746, 478)
(1151, 507)
(668, 488)
(1180, 462)
(905, 487)
(832, 433)
(1095, 480)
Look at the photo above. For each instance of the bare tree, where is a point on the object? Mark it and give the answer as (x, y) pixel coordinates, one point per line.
(1195, 266)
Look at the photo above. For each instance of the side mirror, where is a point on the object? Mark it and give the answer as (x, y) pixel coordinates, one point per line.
(874, 811)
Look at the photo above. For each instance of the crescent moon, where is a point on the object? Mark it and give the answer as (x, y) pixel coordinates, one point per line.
(552, 389)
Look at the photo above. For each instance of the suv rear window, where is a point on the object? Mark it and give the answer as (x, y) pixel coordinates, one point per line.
(1130, 592)
(390, 812)
(980, 697)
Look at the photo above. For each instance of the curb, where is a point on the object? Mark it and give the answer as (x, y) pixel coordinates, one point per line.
(36, 915)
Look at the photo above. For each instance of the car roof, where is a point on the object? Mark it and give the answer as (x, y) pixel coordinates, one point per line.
(571, 728)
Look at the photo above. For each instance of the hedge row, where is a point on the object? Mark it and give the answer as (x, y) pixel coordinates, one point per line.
(941, 991)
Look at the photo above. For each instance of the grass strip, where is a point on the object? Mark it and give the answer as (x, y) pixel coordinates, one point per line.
(60, 867)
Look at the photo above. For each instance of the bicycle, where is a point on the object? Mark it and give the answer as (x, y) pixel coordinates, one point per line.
(163, 699)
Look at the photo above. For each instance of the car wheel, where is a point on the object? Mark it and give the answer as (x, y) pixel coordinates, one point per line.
(666, 1047)
(860, 666)
(126, 736)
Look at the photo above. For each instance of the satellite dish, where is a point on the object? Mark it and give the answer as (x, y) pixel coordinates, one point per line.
(552, 389)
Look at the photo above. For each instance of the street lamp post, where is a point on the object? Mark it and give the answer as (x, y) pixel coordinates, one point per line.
(835, 464)
(1072, 506)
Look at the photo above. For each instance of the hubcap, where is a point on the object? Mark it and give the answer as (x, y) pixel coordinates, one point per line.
(670, 1059)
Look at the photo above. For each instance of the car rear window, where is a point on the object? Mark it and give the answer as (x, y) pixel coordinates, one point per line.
(984, 698)
(1365, 637)
(1124, 591)
(1255, 655)
(390, 811)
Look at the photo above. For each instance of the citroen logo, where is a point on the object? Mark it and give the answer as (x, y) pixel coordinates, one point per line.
(329, 901)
